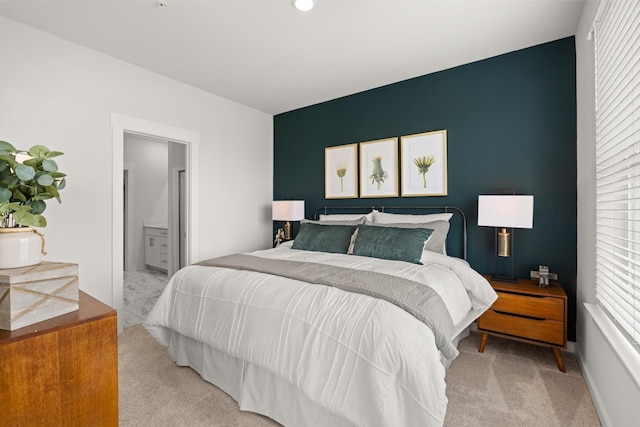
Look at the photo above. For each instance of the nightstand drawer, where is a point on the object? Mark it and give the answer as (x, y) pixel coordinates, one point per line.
(548, 331)
(529, 305)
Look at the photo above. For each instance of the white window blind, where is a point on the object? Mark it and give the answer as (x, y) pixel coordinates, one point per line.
(617, 46)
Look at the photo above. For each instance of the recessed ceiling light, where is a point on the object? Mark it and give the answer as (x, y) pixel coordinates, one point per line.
(303, 5)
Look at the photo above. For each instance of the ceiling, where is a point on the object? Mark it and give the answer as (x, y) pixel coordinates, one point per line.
(271, 57)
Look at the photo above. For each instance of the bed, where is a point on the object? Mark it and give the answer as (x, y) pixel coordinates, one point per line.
(351, 324)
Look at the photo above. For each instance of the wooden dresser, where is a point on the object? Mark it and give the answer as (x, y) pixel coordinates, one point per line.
(526, 312)
(62, 371)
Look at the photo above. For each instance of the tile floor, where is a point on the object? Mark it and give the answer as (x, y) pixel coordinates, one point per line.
(141, 290)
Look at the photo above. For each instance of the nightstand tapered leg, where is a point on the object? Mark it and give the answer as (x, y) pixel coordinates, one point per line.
(558, 356)
(483, 342)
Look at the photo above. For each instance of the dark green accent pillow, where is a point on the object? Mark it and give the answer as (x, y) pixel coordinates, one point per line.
(324, 238)
(437, 242)
(402, 244)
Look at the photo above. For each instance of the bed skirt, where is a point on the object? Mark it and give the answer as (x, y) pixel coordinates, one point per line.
(254, 388)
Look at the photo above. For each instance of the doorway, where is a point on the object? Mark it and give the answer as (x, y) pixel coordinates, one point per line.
(190, 140)
(152, 171)
(149, 219)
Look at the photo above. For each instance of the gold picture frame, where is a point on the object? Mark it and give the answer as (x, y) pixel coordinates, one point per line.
(379, 168)
(424, 164)
(341, 172)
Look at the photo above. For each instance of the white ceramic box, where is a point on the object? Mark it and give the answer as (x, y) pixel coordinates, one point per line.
(32, 294)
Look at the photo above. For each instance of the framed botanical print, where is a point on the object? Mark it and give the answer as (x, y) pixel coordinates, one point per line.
(379, 168)
(424, 164)
(341, 172)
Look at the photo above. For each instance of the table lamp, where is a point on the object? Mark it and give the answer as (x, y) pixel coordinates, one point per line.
(288, 210)
(505, 212)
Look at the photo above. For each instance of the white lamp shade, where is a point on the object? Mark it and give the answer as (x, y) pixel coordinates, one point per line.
(508, 211)
(288, 210)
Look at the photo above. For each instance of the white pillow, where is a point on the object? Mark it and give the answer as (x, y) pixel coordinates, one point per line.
(332, 221)
(389, 218)
(347, 217)
(286, 244)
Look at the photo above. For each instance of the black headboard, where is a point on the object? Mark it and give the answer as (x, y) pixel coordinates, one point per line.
(457, 232)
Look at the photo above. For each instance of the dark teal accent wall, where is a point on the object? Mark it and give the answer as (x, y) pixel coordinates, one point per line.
(511, 124)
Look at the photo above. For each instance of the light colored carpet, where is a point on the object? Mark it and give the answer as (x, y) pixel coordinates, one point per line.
(154, 391)
(510, 384)
(516, 384)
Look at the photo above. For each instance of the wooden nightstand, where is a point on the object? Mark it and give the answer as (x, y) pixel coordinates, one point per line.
(526, 312)
(62, 371)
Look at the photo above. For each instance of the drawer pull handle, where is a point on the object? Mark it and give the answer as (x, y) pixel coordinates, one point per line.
(523, 295)
(524, 316)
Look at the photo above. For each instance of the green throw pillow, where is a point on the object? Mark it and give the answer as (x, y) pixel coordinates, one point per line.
(438, 240)
(402, 244)
(323, 238)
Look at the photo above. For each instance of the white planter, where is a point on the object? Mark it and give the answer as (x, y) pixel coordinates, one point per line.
(20, 247)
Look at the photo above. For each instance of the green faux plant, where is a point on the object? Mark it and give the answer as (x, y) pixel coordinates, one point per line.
(26, 185)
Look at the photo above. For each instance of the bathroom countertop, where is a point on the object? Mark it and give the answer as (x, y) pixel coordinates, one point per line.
(155, 224)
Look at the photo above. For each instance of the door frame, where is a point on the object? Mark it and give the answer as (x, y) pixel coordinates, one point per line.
(128, 257)
(120, 125)
(176, 240)
(127, 219)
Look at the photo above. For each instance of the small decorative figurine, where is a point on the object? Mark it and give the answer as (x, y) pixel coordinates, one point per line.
(543, 276)
(279, 237)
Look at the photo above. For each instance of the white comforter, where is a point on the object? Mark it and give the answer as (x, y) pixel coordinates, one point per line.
(359, 357)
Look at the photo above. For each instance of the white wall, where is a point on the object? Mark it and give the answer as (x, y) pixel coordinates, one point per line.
(61, 94)
(147, 161)
(614, 390)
